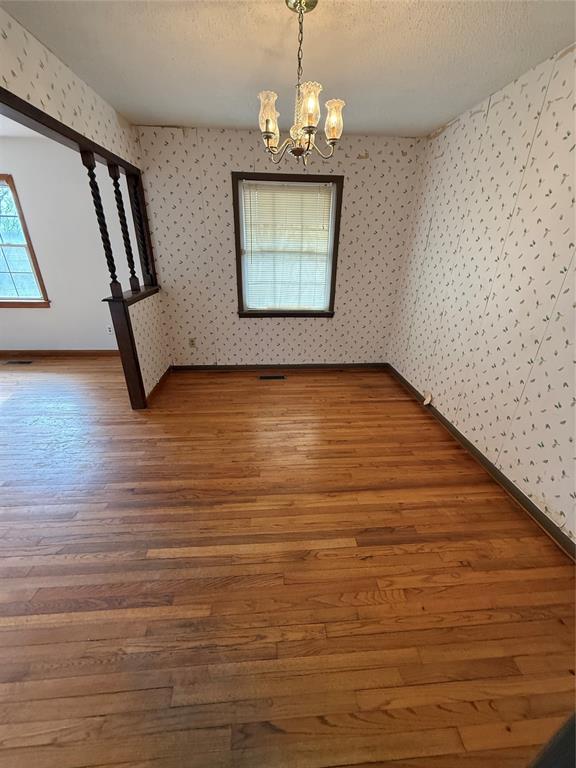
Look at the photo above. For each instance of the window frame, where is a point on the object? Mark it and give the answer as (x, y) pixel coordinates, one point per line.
(21, 303)
(237, 178)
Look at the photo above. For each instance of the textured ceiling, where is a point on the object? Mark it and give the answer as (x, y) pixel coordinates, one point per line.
(405, 68)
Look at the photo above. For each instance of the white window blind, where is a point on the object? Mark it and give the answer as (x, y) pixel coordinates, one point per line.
(287, 240)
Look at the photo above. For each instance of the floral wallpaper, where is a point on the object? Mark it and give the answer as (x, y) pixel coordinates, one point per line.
(454, 266)
(484, 315)
(147, 319)
(456, 260)
(36, 75)
(189, 196)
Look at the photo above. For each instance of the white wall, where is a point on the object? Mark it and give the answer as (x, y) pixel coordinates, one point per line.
(53, 189)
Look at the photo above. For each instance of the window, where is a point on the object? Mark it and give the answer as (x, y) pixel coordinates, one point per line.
(21, 283)
(286, 229)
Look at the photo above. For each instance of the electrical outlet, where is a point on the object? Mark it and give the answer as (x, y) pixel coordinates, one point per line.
(192, 342)
(109, 330)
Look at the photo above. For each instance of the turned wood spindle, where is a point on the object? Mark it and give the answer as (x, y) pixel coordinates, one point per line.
(114, 172)
(90, 164)
(139, 227)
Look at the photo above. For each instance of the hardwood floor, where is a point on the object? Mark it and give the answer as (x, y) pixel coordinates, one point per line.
(265, 574)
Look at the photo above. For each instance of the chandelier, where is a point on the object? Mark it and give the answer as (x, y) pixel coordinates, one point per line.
(302, 140)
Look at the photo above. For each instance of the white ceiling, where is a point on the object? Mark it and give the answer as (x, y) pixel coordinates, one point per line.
(405, 68)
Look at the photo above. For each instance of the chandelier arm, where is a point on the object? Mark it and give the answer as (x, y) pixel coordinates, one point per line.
(281, 151)
(278, 150)
(326, 157)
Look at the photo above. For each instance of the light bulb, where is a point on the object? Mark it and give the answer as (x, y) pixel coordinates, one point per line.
(268, 117)
(334, 124)
(275, 140)
(310, 92)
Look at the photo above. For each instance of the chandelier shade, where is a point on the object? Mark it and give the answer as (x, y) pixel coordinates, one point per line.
(334, 124)
(310, 103)
(307, 114)
(268, 116)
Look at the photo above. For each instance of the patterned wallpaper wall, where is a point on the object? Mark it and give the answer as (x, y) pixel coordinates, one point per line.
(147, 319)
(189, 197)
(456, 258)
(485, 313)
(36, 75)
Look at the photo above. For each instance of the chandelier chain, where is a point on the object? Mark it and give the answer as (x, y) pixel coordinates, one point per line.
(301, 6)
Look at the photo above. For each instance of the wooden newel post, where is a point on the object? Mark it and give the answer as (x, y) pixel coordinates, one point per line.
(114, 172)
(90, 164)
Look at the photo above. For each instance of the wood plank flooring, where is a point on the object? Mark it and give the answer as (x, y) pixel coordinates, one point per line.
(265, 574)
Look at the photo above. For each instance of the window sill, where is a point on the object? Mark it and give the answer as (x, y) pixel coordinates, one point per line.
(283, 313)
(24, 304)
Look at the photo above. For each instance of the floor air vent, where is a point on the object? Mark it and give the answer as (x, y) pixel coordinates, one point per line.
(18, 362)
(270, 377)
